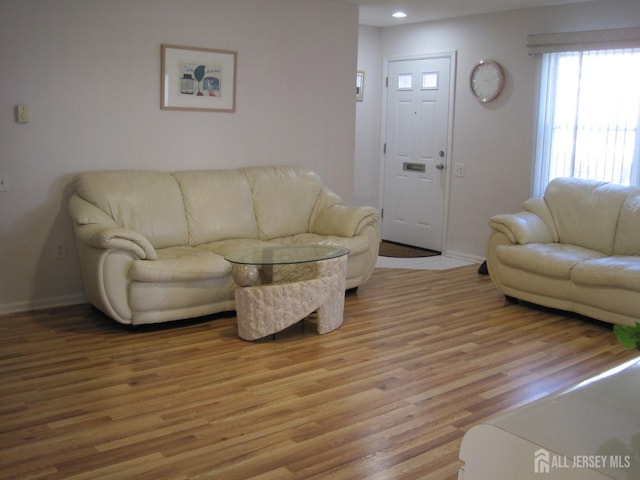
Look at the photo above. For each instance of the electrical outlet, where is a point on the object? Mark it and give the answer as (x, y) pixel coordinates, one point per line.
(60, 250)
(4, 182)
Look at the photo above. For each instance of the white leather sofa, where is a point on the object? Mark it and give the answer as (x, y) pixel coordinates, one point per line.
(151, 243)
(576, 248)
(587, 432)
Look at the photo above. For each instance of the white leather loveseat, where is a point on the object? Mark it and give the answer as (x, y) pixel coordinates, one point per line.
(576, 248)
(151, 244)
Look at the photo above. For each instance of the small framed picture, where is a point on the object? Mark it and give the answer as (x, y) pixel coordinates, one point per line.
(359, 85)
(195, 79)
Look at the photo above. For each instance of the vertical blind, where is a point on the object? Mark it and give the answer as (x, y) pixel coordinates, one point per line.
(589, 116)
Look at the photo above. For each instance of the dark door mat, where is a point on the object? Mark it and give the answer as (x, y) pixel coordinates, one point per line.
(398, 250)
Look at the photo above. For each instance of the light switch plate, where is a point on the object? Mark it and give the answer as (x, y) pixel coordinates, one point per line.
(22, 113)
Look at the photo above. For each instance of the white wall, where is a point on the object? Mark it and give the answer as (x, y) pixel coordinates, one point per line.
(495, 141)
(368, 110)
(90, 72)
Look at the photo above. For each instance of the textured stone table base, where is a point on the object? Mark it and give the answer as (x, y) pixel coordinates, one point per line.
(266, 309)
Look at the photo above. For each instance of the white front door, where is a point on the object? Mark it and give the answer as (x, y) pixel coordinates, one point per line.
(415, 160)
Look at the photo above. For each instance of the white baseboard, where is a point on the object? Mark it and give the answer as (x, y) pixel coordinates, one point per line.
(463, 256)
(40, 304)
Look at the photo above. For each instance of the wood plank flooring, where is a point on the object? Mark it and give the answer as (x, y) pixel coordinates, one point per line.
(422, 357)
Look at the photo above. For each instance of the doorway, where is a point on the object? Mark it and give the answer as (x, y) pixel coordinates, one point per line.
(417, 139)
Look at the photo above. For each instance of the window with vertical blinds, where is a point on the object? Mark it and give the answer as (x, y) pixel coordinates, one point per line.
(589, 116)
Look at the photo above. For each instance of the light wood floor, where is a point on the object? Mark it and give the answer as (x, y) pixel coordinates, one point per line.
(421, 358)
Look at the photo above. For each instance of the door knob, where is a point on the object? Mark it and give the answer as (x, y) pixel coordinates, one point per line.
(440, 166)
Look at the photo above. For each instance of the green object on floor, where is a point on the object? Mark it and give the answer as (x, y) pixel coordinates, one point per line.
(628, 336)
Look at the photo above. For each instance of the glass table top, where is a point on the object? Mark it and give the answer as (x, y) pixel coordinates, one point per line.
(289, 254)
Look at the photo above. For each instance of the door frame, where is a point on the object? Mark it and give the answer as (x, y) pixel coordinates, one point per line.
(452, 56)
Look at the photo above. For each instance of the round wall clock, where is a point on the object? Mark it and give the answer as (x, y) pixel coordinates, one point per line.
(487, 80)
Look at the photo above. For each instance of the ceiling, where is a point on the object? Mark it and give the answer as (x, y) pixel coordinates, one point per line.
(377, 13)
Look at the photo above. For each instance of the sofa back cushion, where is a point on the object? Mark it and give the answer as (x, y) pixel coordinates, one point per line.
(147, 202)
(283, 199)
(586, 212)
(218, 205)
(628, 234)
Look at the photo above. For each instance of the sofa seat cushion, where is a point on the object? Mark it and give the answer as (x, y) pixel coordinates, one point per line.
(177, 264)
(550, 259)
(616, 272)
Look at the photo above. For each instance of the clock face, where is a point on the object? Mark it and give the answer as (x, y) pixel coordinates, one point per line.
(487, 80)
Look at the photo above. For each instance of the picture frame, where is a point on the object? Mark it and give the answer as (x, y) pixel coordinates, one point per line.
(360, 85)
(198, 79)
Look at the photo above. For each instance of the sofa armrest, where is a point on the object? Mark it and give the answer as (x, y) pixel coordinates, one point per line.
(344, 221)
(116, 238)
(521, 228)
(96, 229)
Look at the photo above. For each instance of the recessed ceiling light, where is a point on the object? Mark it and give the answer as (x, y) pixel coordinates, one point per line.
(399, 15)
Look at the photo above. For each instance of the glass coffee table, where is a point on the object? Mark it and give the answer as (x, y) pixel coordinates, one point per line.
(281, 285)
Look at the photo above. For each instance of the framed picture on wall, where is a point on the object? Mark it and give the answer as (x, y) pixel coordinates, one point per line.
(359, 85)
(198, 79)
